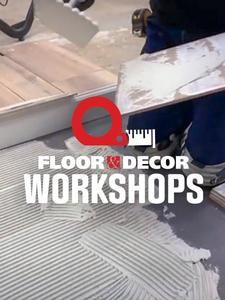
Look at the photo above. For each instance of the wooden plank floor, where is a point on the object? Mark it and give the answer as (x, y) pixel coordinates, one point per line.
(7, 97)
(23, 82)
(33, 71)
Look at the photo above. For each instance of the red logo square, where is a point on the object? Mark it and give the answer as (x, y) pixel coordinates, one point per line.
(113, 162)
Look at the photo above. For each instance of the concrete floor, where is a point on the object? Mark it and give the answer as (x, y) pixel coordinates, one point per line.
(111, 47)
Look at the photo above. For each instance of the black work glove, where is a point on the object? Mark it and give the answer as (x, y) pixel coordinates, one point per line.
(82, 5)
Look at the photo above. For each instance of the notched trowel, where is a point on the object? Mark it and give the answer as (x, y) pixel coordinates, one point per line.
(65, 18)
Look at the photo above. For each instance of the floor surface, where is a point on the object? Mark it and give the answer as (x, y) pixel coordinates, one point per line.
(200, 226)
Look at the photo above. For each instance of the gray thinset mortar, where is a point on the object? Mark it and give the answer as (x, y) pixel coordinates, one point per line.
(49, 254)
(21, 159)
(145, 262)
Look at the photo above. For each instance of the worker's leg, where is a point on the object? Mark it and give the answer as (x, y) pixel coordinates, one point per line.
(205, 141)
(172, 119)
